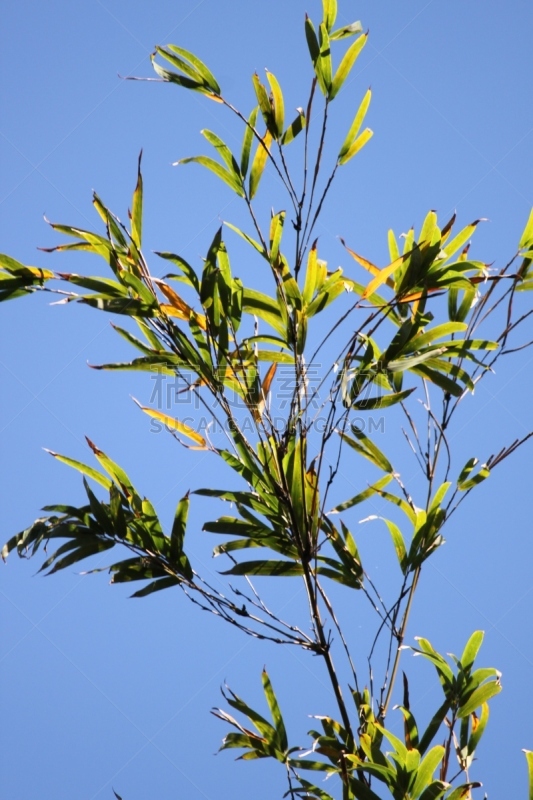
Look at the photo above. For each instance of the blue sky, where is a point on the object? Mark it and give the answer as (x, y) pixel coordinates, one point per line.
(100, 691)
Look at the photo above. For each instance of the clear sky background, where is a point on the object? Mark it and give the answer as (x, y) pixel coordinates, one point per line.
(99, 691)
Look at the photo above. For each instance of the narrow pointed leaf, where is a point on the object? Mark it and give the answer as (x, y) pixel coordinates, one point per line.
(296, 127)
(356, 125)
(247, 141)
(199, 66)
(230, 178)
(175, 425)
(277, 100)
(83, 468)
(259, 163)
(137, 208)
(275, 711)
(480, 696)
(346, 64)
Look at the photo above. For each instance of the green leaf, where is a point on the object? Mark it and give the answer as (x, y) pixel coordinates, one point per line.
(362, 496)
(426, 769)
(529, 760)
(464, 482)
(434, 725)
(329, 8)
(366, 447)
(386, 400)
(421, 340)
(355, 127)
(178, 528)
(199, 66)
(263, 306)
(296, 127)
(358, 144)
(189, 274)
(480, 696)
(526, 240)
(230, 178)
(115, 472)
(478, 728)
(259, 163)
(397, 540)
(324, 58)
(224, 152)
(277, 102)
(260, 249)
(137, 208)
(265, 106)
(275, 711)
(471, 650)
(130, 307)
(346, 65)
(315, 53)
(434, 791)
(157, 586)
(195, 69)
(247, 141)
(463, 792)
(451, 247)
(272, 568)
(442, 381)
(276, 231)
(83, 468)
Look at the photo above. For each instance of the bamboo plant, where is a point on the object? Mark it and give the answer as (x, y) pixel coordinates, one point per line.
(418, 333)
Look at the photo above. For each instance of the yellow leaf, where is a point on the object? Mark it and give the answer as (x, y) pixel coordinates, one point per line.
(177, 307)
(382, 277)
(176, 425)
(367, 264)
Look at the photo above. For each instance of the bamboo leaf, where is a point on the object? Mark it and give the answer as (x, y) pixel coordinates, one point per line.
(346, 31)
(189, 275)
(224, 152)
(463, 792)
(272, 568)
(247, 141)
(276, 232)
(346, 65)
(526, 240)
(529, 760)
(315, 53)
(175, 425)
(367, 448)
(264, 105)
(329, 8)
(480, 696)
(277, 102)
(275, 711)
(359, 143)
(230, 178)
(83, 468)
(471, 650)
(296, 127)
(157, 586)
(260, 249)
(324, 59)
(383, 401)
(259, 163)
(201, 69)
(137, 208)
(426, 769)
(362, 496)
(355, 126)
(460, 239)
(178, 527)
